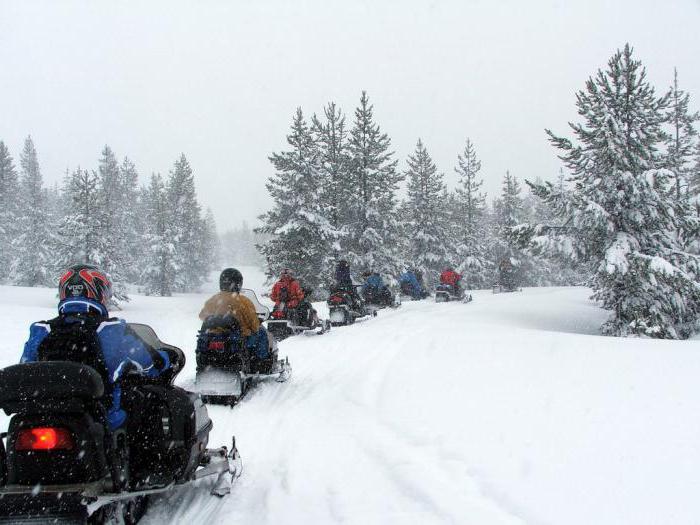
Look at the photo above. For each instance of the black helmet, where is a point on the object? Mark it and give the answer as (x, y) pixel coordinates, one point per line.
(230, 280)
(85, 280)
(343, 264)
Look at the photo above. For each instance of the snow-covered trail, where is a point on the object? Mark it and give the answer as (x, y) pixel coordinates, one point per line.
(505, 410)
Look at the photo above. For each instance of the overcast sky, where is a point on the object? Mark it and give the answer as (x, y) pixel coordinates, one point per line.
(220, 81)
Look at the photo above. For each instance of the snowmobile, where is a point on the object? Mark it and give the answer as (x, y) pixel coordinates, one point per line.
(59, 462)
(378, 300)
(445, 293)
(285, 321)
(344, 309)
(226, 368)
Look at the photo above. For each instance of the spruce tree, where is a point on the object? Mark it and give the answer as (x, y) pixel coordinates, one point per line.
(681, 141)
(9, 208)
(373, 224)
(622, 215)
(469, 220)
(133, 226)
(509, 212)
(301, 235)
(32, 263)
(80, 233)
(185, 215)
(111, 206)
(425, 216)
(159, 269)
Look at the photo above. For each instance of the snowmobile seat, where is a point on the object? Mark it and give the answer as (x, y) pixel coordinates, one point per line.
(30, 386)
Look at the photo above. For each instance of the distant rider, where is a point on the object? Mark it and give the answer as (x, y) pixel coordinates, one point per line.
(453, 279)
(374, 290)
(229, 301)
(288, 294)
(412, 285)
(343, 281)
(84, 292)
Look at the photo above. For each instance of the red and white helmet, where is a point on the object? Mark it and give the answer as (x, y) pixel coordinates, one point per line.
(85, 280)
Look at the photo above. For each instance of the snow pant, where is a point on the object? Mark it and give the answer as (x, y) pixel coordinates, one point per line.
(259, 343)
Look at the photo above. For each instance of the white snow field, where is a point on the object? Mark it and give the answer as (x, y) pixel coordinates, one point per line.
(506, 410)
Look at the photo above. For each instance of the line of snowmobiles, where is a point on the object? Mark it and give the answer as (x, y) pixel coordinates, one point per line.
(60, 463)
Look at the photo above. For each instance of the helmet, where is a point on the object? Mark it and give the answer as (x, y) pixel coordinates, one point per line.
(343, 264)
(85, 280)
(230, 280)
(286, 273)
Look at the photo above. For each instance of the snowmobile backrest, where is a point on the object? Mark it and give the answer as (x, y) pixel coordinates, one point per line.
(74, 339)
(43, 382)
(220, 323)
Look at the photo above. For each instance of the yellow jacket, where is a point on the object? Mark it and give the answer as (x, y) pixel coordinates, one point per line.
(235, 304)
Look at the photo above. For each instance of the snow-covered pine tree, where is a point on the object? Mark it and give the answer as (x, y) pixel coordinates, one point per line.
(132, 220)
(9, 209)
(373, 228)
(331, 139)
(159, 268)
(33, 259)
(114, 244)
(622, 214)
(79, 236)
(681, 141)
(185, 215)
(509, 212)
(301, 236)
(471, 250)
(425, 216)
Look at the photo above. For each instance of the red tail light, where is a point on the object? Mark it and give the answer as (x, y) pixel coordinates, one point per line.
(278, 314)
(44, 438)
(217, 345)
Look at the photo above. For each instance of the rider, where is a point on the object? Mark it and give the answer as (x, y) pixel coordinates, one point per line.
(288, 293)
(229, 301)
(506, 274)
(412, 285)
(343, 281)
(84, 292)
(374, 290)
(451, 278)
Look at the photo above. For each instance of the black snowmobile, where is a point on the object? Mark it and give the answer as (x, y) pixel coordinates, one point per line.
(377, 299)
(284, 321)
(445, 293)
(226, 367)
(59, 461)
(345, 308)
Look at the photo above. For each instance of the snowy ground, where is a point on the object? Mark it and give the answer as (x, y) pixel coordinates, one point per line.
(505, 410)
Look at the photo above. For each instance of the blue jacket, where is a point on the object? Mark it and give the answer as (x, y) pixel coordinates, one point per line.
(121, 348)
(411, 279)
(373, 281)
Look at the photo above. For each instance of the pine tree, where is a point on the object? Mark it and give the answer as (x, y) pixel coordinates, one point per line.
(301, 235)
(32, 264)
(133, 224)
(680, 141)
(331, 140)
(425, 215)
(508, 212)
(622, 214)
(114, 256)
(373, 227)
(79, 233)
(159, 268)
(186, 219)
(9, 209)
(469, 220)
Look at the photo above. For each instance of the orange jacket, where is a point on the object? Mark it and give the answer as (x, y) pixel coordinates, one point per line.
(294, 292)
(237, 305)
(450, 277)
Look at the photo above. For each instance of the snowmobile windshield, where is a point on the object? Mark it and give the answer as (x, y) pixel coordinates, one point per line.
(148, 335)
(260, 309)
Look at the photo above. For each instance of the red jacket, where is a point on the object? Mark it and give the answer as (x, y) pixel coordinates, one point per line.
(450, 277)
(294, 292)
